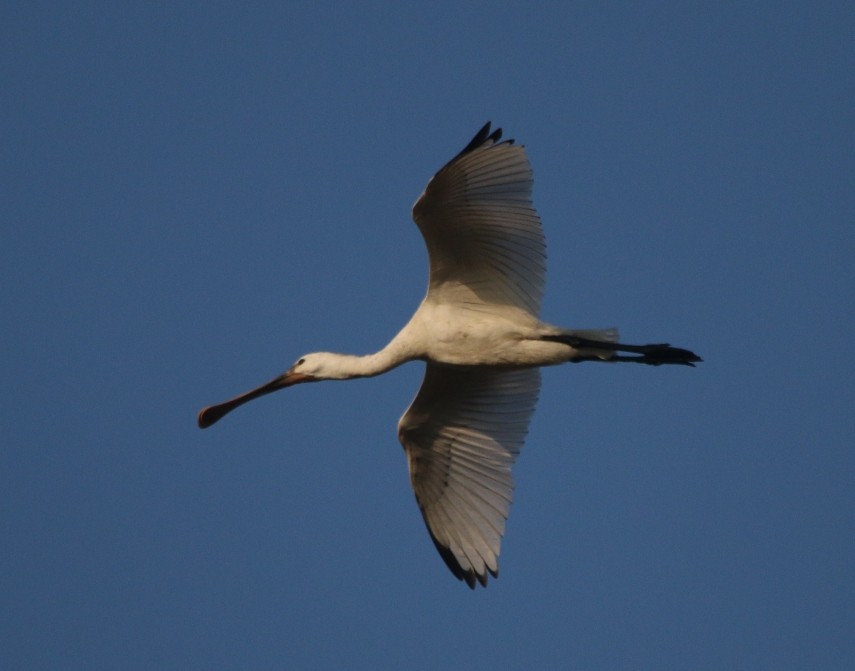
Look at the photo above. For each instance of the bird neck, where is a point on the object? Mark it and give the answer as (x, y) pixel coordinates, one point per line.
(349, 365)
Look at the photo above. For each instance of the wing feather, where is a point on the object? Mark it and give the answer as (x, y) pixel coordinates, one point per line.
(461, 435)
(483, 235)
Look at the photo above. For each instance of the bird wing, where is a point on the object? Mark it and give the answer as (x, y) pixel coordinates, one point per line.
(461, 436)
(483, 235)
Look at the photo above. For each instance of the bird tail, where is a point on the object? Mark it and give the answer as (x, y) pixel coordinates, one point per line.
(592, 336)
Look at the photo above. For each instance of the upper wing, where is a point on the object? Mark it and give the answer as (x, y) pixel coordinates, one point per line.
(483, 235)
(461, 435)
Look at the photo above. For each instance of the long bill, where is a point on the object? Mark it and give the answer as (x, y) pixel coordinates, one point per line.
(214, 413)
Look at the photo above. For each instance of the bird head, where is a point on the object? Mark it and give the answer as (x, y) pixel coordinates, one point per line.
(322, 366)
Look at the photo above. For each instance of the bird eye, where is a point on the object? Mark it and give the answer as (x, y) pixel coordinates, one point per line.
(300, 361)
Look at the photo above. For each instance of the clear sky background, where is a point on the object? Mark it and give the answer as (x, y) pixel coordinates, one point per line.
(195, 194)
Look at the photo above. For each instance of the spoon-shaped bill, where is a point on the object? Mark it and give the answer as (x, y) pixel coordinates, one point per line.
(214, 413)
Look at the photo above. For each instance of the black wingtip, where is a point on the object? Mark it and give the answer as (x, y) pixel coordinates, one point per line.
(469, 576)
(481, 137)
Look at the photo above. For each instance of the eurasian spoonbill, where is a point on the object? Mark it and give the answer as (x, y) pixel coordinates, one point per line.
(479, 333)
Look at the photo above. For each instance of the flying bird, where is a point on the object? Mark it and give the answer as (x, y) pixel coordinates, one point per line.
(479, 333)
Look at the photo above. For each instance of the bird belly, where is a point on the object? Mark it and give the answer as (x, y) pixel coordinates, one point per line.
(460, 338)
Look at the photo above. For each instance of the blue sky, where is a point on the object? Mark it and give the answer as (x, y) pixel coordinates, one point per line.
(196, 194)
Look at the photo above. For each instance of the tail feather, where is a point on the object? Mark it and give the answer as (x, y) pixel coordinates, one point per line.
(602, 335)
(609, 335)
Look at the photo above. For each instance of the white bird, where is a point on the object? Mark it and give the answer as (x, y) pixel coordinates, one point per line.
(479, 332)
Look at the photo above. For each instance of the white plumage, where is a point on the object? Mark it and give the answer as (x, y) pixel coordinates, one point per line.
(479, 332)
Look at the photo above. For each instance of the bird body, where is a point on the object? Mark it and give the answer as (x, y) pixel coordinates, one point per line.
(456, 336)
(479, 332)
